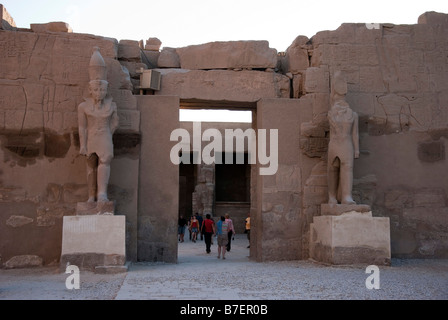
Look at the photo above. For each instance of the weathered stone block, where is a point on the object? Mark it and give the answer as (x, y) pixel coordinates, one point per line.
(288, 178)
(338, 209)
(429, 198)
(18, 221)
(129, 50)
(297, 86)
(133, 67)
(371, 79)
(315, 195)
(48, 214)
(168, 58)
(431, 151)
(436, 218)
(150, 58)
(58, 26)
(153, 44)
(321, 106)
(56, 146)
(228, 55)
(433, 18)
(353, 238)
(129, 120)
(314, 146)
(317, 180)
(124, 99)
(309, 129)
(120, 74)
(73, 193)
(398, 199)
(317, 80)
(249, 86)
(95, 208)
(23, 261)
(93, 240)
(6, 21)
(297, 59)
(70, 121)
(362, 103)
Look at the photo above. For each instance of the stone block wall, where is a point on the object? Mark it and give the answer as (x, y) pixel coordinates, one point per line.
(397, 83)
(277, 220)
(43, 78)
(223, 71)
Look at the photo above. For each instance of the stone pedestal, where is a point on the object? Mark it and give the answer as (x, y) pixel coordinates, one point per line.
(95, 241)
(93, 208)
(346, 236)
(338, 209)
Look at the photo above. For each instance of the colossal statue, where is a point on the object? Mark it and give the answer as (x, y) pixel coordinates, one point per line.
(97, 121)
(344, 144)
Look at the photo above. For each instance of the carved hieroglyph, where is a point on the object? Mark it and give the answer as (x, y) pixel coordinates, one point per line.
(97, 119)
(344, 144)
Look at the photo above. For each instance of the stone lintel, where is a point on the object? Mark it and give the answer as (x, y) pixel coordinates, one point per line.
(338, 209)
(95, 208)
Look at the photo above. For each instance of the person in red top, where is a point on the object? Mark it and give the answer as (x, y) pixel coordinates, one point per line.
(208, 229)
(194, 228)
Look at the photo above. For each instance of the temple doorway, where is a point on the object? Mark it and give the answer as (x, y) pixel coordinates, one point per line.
(216, 188)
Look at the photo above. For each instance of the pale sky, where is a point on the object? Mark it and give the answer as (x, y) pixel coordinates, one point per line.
(179, 23)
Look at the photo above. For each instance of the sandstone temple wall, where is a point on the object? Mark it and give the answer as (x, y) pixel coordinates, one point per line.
(397, 83)
(43, 78)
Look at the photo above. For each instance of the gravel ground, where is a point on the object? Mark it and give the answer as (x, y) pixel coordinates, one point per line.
(200, 276)
(48, 283)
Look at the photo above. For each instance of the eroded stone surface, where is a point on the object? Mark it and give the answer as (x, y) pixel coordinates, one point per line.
(168, 58)
(338, 209)
(6, 21)
(24, 261)
(51, 27)
(18, 221)
(228, 55)
(153, 44)
(223, 85)
(396, 81)
(89, 208)
(44, 93)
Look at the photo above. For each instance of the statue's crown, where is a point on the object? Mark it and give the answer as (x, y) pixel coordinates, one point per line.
(97, 66)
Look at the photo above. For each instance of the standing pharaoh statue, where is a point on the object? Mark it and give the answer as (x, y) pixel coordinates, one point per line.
(344, 144)
(97, 121)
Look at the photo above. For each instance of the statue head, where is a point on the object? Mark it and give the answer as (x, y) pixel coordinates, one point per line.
(98, 89)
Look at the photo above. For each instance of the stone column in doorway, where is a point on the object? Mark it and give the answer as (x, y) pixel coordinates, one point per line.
(204, 191)
(158, 197)
(276, 224)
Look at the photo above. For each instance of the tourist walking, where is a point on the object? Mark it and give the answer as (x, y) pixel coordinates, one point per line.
(247, 231)
(200, 219)
(222, 228)
(208, 229)
(182, 222)
(231, 231)
(194, 228)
